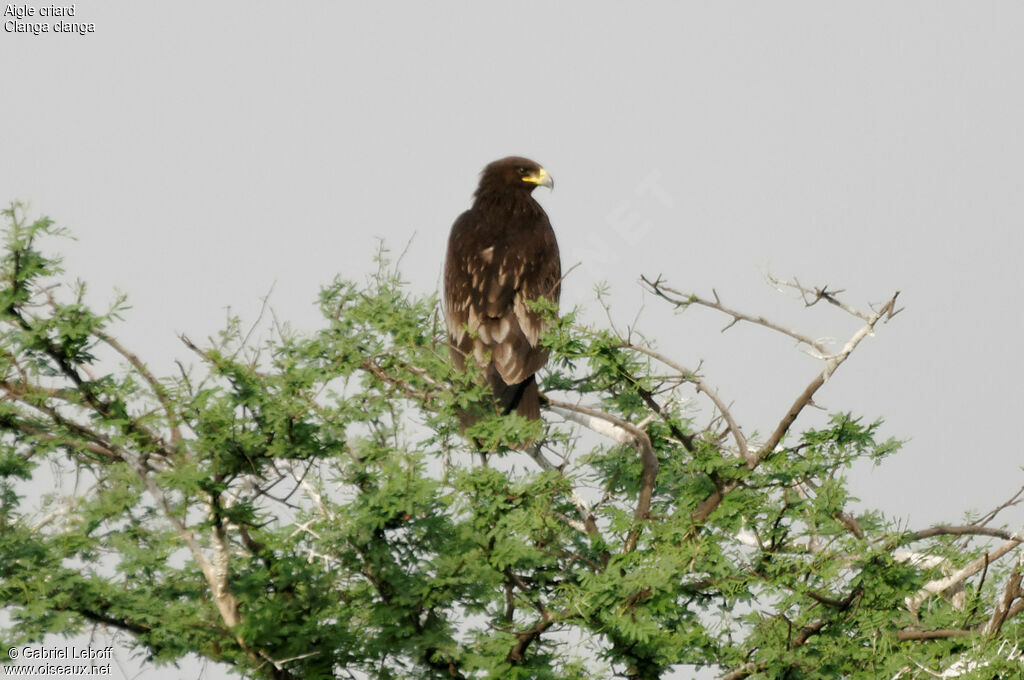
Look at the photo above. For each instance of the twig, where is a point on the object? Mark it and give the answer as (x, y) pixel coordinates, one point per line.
(685, 439)
(808, 631)
(310, 492)
(684, 299)
(1013, 500)
(847, 520)
(99, 443)
(702, 386)
(102, 408)
(158, 389)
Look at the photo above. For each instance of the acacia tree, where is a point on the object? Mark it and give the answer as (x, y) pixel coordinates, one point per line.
(307, 508)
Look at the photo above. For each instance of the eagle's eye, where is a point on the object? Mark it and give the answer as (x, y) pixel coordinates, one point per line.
(522, 171)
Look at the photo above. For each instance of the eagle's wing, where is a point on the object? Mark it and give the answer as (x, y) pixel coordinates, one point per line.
(462, 271)
(487, 290)
(534, 270)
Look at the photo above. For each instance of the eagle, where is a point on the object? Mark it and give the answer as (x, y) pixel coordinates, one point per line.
(502, 255)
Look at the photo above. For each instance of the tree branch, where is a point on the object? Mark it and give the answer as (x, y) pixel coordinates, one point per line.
(947, 530)
(831, 364)
(527, 637)
(684, 300)
(622, 432)
(130, 426)
(158, 389)
(939, 585)
(702, 386)
(907, 635)
(1002, 609)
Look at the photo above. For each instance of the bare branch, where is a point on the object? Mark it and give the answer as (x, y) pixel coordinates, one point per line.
(1002, 609)
(939, 585)
(967, 530)
(832, 361)
(991, 515)
(681, 299)
(311, 493)
(603, 423)
(955, 594)
(812, 296)
(906, 634)
(623, 432)
(714, 499)
(831, 364)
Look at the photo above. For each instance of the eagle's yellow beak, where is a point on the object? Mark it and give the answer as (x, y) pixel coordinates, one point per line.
(541, 178)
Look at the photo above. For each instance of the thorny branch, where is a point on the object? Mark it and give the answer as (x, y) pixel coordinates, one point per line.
(682, 300)
(1009, 603)
(832, 362)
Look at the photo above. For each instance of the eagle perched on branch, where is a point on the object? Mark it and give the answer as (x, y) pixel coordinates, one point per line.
(502, 255)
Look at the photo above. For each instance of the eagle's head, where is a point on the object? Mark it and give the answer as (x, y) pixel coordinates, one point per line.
(515, 174)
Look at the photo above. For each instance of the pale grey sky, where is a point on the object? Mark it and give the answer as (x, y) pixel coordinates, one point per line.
(203, 152)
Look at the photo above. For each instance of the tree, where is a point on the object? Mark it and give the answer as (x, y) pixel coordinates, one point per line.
(307, 508)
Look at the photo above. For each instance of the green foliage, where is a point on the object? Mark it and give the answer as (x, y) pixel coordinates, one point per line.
(308, 509)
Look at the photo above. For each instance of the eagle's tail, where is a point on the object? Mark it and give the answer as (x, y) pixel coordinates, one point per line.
(523, 397)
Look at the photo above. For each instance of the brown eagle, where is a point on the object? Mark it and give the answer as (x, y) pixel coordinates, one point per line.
(502, 254)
